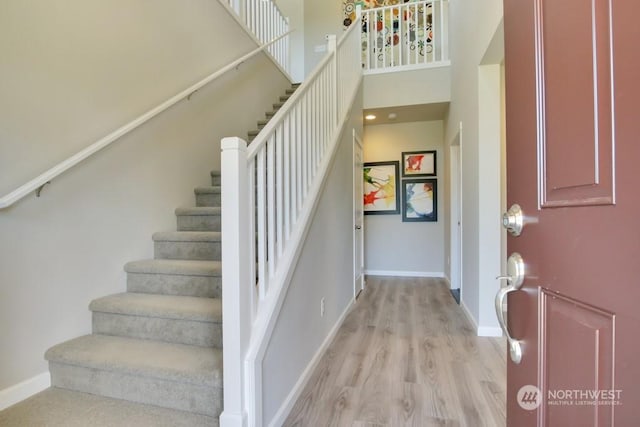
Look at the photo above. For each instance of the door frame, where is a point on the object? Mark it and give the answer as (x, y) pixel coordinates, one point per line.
(455, 220)
(359, 281)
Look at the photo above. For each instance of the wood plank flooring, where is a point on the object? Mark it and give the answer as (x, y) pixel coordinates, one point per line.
(406, 356)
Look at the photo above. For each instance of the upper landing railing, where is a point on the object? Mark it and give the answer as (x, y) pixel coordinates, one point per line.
(405, 36)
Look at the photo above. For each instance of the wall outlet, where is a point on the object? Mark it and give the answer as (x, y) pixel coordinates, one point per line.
(322, 307)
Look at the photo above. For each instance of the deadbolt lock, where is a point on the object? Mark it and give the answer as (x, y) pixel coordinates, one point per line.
(513, 220)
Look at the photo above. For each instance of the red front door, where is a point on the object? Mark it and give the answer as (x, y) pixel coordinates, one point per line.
(573, 161)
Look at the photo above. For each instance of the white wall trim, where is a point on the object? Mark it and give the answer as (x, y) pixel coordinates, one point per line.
(489, 331)
(481, 331)
(291, 399)
(468, 314)
(19, 392)
(395, 273)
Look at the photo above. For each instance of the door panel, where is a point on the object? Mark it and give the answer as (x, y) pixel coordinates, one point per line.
(574, 108)
(585, 364)
(571, 70)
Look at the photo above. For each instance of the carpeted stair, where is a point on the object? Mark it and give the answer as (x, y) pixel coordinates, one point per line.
(155, 349)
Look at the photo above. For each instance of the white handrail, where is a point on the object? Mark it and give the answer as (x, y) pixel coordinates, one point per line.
(44, 178)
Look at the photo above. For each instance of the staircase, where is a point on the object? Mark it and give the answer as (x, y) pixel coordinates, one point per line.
(160, 343)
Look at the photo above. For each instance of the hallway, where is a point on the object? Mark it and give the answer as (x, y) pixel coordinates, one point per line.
(406, 356)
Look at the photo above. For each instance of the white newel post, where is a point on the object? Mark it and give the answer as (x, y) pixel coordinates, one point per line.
(235, 278)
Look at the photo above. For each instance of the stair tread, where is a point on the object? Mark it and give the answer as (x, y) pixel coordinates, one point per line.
(198, 210)
(207, 190)
(160, 306)
(187, 236)
(176, 267)
(60, 407)
(155, 359)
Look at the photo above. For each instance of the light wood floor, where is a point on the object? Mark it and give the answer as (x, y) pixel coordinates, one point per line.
(406, 356)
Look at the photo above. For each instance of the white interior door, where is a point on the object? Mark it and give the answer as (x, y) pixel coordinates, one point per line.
(358, 217)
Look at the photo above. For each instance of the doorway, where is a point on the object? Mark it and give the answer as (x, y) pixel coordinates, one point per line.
(358, 217)
(455, 221)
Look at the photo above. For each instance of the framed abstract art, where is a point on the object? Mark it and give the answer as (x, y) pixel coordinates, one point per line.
(381, 183)
(419, 200)
(419, 163)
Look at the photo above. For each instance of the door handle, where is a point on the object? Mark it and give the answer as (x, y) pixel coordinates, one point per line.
(514, 278)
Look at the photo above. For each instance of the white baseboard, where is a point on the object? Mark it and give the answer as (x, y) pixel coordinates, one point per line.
(468, 314)
(291, 399)
(489, 331)
(404, 273)
(481, 331)
(19, 392)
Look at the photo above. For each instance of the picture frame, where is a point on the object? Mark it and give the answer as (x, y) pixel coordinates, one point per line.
(419, 163)
(419, 200)
(381, 188)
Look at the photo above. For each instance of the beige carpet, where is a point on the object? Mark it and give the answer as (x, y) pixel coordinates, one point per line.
(56, 407)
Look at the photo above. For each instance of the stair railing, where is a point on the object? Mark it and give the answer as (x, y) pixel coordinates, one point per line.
(265, 21)
(405, 36)
(269, 193)
(37, 183)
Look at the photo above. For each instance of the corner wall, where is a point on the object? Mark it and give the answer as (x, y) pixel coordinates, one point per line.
(393, 247)
(320, 18)
(72, 72)
(473, 25)
(324, 270)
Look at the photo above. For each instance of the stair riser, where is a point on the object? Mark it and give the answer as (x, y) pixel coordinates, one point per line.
(203, 334)
(170, 284)
(204, 251)
(153, 391)
(198, 223)
(208, 200)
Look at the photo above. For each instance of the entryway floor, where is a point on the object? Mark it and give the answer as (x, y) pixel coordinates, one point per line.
(406, 355)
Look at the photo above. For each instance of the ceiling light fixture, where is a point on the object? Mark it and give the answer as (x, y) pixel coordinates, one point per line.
(370, 117)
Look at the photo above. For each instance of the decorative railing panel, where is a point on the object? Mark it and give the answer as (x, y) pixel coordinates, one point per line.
(401, 36)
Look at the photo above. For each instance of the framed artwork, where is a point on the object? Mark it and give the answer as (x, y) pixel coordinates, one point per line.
(381, 183)
(419, 163)
(419, 200)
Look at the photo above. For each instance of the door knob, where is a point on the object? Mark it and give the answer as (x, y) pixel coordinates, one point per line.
(514, 278)
(513, 220)
(358, 227)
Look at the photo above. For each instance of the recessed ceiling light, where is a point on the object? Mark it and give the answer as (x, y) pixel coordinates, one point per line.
(370, 117)
(392, 116)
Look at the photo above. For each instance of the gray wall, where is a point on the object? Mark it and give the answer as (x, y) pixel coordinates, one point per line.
(390, 244)
(294, 10)
(474, 25)
(324, 270)
(70, 73)
(320, 18)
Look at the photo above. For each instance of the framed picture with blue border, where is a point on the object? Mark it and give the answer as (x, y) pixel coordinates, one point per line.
(419, 200)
